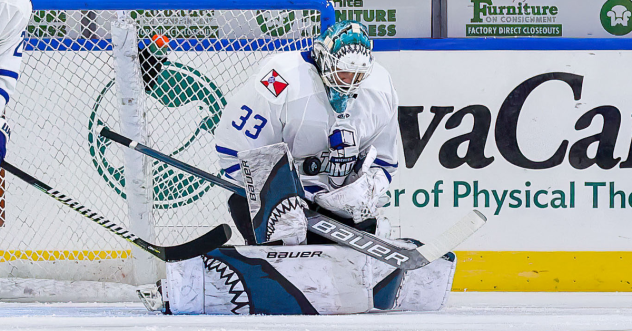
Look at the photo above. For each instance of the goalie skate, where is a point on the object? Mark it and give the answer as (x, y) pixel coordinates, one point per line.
(153, 298)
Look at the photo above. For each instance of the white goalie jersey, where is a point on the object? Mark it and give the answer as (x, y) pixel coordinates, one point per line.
(286, 101)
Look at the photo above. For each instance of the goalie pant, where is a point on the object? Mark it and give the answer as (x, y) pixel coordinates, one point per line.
(302, 280)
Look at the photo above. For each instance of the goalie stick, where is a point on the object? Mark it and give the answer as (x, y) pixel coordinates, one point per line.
(358, 240)
(196, 247)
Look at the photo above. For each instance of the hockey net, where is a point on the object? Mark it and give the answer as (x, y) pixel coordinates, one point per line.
(168, 90)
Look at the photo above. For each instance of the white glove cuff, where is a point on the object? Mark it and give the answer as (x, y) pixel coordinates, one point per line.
(380, 181)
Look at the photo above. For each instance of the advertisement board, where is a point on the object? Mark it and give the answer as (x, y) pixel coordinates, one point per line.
(537, 141)
(396, 19)
(393, 19)
(540, 18)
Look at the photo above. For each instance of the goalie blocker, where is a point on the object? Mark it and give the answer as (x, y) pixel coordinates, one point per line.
(274, 194)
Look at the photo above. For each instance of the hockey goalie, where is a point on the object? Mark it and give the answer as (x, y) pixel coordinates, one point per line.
(311, 130)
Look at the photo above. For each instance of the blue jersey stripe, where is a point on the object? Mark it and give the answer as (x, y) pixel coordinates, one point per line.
(313, 189)
(226, 151)
(232, 169)
(383, 163)
(5, 95)
(8, 73)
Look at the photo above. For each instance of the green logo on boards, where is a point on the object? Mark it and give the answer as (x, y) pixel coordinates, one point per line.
(48, 24)
(288, 23)
(616, 17)
(276, 24)
(178, 91)
(505, 18)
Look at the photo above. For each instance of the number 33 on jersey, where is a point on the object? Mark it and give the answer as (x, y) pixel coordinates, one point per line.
(286, 101)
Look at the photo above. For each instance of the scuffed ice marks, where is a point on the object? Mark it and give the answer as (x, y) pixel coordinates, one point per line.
(231, 283)
(284, 207)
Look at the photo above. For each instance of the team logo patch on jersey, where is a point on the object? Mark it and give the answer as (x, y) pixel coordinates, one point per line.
(343, 153)
(274, 83)
(311, 166)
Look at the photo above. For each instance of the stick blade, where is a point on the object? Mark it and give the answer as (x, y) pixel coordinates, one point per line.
(199, 246)
(454, 236)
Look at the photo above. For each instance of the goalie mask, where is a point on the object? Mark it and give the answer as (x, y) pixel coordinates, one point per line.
(343, 57)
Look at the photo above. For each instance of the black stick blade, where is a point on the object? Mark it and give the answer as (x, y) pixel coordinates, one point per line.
(199, 246)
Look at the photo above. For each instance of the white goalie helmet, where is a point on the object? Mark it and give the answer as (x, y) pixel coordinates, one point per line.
(343, 55)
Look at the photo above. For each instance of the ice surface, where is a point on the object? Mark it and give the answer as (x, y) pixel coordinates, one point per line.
(465, 311)
(48, 290)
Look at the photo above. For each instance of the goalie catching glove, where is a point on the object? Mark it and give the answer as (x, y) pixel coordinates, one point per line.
(361, 198)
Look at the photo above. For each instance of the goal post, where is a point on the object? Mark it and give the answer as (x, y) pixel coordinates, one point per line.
(158, 71)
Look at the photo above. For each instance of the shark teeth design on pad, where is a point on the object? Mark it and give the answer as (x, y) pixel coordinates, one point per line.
(233, 284)
(282, 208)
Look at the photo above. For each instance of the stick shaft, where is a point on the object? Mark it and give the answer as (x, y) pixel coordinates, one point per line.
(78, 207)
(170, 161)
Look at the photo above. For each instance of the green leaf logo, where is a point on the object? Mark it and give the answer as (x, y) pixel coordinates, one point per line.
(176, 86)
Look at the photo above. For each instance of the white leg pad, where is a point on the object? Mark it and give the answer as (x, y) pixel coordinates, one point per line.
(308, 279)
(185, 284)
(427, 288)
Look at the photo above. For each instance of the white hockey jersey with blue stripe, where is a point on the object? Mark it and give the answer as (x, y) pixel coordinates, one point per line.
(14, 17)
(286, 101)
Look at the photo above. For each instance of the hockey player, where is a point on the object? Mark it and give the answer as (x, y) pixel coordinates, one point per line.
(331, 115)
(14, 17)
(336, 109)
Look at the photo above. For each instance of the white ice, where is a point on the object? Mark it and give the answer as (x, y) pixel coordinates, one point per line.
(464, 311)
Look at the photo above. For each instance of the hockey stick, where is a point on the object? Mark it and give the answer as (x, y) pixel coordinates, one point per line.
(196, 247)
(331, 229)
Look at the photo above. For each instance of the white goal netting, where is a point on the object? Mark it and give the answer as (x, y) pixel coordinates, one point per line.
(160, 76)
